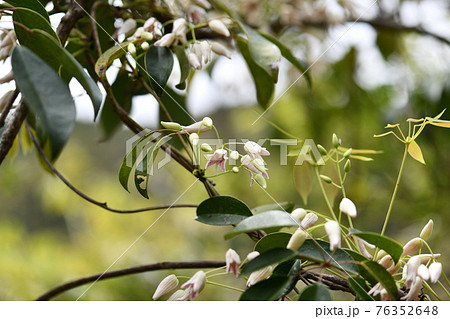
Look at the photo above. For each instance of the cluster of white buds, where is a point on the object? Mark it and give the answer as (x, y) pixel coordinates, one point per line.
(151, 29)
(200, 53)
(254, 163)
(8, 42)
(189, 290)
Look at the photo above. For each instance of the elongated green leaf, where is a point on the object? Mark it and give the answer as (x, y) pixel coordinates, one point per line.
(46, 95)
(265, 87)
(286, 206)
(268, 258)
(222, 210)
(271, 241)
(141, 173)
(358, 286)
(130, 160)
(266, 290)
(415, 152)
(108, 57)
(290, 268)
(159, 65)
(185, 67)
(52, 50)
(303, 181)
(319, 251)
(361, 270)
(383, 277)
(315, 292)
(287, 54)
(269, 221)
(264, 52)
(33, 5)
(389, 245)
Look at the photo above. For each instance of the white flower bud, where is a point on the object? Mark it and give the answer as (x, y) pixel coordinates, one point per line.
(145, 46)
(259, 275)
(348, 207)
(166, 40)
(150, 23)
(386, 261)
(334, 234)
(131, 48)
(309, 220)
(147, 36)
(194, 286)
(179, 27)
(412, 246)
(206, 51)
(176, 295)
(206, 147)
(194, 61)
(234, 155)
(235, 169)
(411, 271)
(414, 290)
(384, 295)
(259, 164)
(425, 234)
(252, 255)
(423, 272)
(298, 214)
(127, 26)
(208, 122)
(297, 239)
(203, 3)
(435, 270)
(233, 261)
(171, 125)
(166, 285)
(193, 138)
(260, 180)
(220, 49)
(219, 27)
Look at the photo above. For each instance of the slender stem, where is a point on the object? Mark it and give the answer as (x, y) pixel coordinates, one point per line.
(397, 183)
(443, 287)
(8, 107)
(427, 286)
(223, 286)
(316, 170)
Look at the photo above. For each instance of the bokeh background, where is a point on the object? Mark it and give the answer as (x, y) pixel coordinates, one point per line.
(368, 79)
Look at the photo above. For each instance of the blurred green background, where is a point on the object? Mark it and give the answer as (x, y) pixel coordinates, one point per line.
(49, 235)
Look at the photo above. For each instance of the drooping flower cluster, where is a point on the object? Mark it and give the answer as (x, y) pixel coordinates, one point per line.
(189, 290)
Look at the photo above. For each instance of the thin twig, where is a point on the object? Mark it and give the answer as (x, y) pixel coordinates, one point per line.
(12, 129)
(129, 271)
(90, 199)
(8, 107)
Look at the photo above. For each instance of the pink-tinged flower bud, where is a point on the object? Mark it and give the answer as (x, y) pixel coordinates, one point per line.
(131, 49)
(232, 261)
(145, 46)
(220, 50)
(234, 155)
(208, 122)
(425, 234)
(435, 270)
(386, 261)
(414, 290)
(127, 26)
(247, 162)
(423, 272)
(334, 234)
(194, 61)
(219, 159)
(412, 246)
(260, 180)
(348, 207)
(197, 127)
(255, 150)
(252, 255)
(171, 125)
(166, 40)
(194, 286)
(411, 271)
(297, 239)
(176, 295)
(309, 220)
(219, 27)
(299, 214)
(166, 285)
(259, 275)
(149, 24)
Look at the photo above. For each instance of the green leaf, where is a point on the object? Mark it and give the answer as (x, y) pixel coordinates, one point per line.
(46, 95)
(303, 181)
(141, 173)
(159, 65)
(269, 221)
(361, 270)
(315, 292)
(287, 54)
(130, 160)
(269, 289)
(222, 210)
(264, 52)
(274, 240)
(415, 152)
(268, 258)
(319, 251)
(33, 5)
(358, 286)
(290, 268)
(52, 50)
(185, 67)
(286, 206)
(389, 245)
(32, 20)
(265, 87)
(383, 277)
(108, 57)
